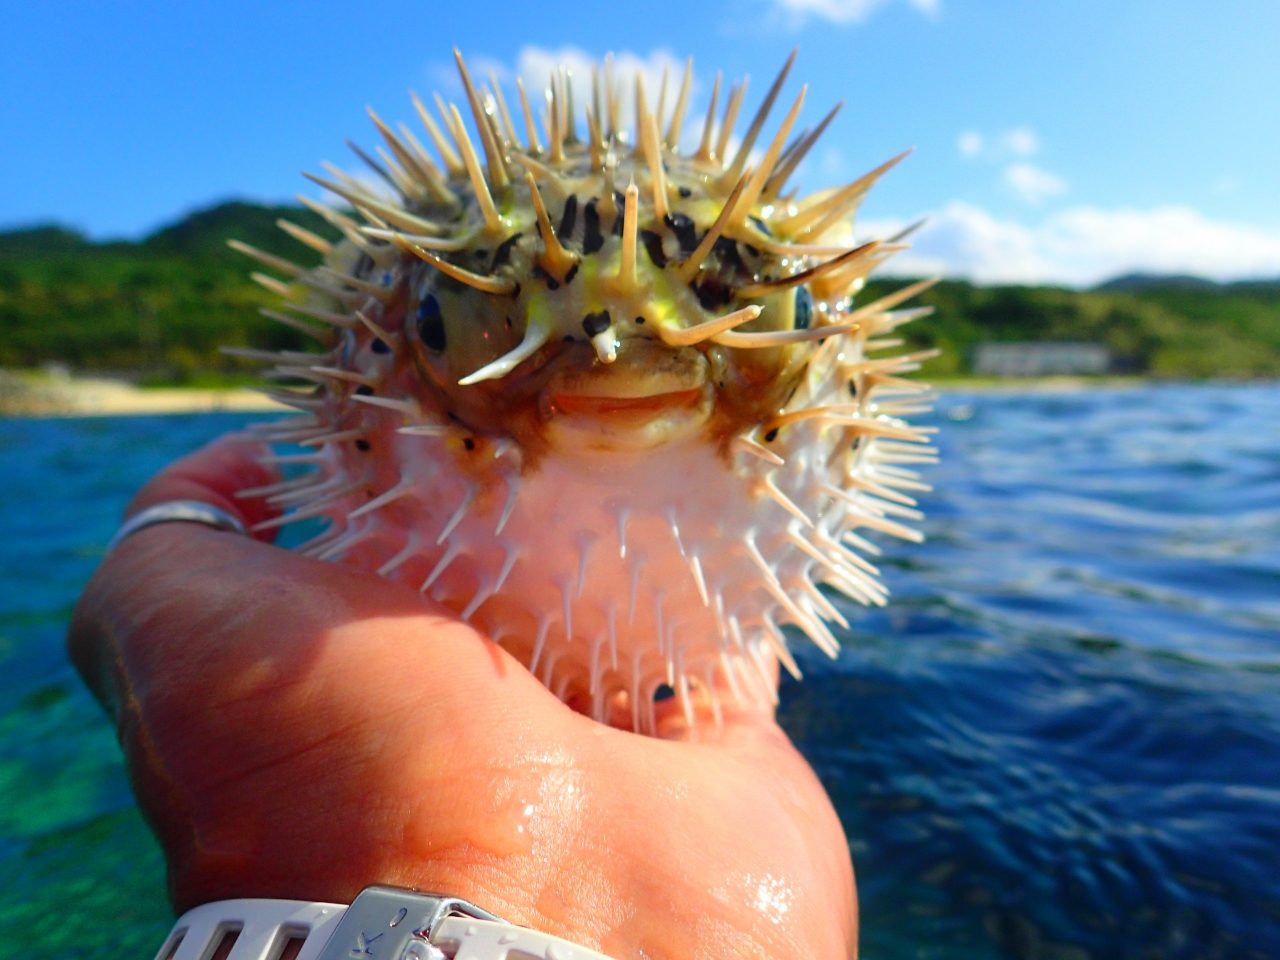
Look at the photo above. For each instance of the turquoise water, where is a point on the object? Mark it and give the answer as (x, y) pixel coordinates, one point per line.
(1061, 740)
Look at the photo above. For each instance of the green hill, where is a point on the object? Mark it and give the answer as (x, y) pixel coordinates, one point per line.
(204, 234)
(158, 309)
(1164, 329)
(41, 239)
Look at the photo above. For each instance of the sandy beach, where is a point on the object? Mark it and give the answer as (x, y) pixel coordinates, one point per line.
(39, 394)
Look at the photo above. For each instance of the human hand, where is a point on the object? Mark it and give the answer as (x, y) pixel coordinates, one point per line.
(299, 729)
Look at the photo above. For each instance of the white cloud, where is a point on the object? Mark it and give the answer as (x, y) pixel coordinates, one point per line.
(1020, 141)
(970, 143)
(535, 66)
(1081, 246)
(847, 11)
(1033, 184)
(1013, 143)
(443, 77)
(1226, 183)
(1010, 148)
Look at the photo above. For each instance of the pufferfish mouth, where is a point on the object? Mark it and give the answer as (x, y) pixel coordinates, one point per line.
(586, 405)
(648, 395)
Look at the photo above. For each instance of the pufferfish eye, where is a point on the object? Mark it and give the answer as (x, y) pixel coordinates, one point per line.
(803, 308)
(431, 323)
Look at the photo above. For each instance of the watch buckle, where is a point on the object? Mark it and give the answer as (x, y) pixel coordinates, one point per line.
(395, 923)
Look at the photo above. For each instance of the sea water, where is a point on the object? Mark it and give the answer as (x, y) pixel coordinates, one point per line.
(1060, 740)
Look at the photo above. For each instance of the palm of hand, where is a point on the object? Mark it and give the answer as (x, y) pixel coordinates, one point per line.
(296, 729)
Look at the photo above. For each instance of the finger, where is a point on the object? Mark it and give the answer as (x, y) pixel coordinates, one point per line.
(190, 592)
(214, 474)
(126, 583)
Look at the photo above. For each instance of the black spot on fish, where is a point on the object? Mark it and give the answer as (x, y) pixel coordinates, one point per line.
(685, 231)
(727, 251)
(771, 436)
(712, 292)
(362, 446)
(685, 192)
(502, 255)
(803, 308)
(379, 346)
(551, 282)
(762, 226)
(573, 272)
(592, 239)
(653, 246)
(431, 324)
(364, 390)
(853, 389)
(569, 219)
(595, 323)
(469, 443)
(640, 321)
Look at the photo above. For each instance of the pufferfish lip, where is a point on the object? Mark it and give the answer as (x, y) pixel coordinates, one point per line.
(648, 381)
(594, 406)
(644, 371)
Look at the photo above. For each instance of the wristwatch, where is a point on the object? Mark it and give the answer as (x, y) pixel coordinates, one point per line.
(382, 923)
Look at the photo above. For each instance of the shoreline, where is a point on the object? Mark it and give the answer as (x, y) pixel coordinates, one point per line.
(39, 394)
(25, 393)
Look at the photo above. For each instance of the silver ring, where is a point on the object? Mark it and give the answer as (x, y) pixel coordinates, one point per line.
(184, 511)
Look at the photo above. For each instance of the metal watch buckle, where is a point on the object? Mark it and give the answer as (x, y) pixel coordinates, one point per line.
(394, 923)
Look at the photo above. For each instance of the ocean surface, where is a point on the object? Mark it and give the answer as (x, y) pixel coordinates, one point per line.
(1061, 740)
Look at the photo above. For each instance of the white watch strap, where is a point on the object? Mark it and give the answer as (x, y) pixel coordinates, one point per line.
(384, 923)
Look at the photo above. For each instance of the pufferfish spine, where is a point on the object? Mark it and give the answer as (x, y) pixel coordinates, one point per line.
(611, 402)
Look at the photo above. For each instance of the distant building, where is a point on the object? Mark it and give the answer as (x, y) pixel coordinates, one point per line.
(1040, 359)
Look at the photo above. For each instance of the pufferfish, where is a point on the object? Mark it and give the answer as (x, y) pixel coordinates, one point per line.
(609, 400)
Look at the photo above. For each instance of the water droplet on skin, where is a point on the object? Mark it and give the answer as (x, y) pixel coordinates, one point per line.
(773, 898)
(525, 814)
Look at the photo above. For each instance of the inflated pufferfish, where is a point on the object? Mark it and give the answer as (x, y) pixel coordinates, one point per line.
(610, 401)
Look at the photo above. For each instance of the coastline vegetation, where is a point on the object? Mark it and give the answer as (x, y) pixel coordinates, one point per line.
(156, 311)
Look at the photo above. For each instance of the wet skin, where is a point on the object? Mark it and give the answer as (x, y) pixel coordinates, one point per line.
(298, 729)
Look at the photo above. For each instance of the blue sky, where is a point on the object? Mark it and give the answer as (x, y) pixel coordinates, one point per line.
(1061, 142)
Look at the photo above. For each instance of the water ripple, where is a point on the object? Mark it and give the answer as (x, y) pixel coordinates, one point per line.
(1059, 742)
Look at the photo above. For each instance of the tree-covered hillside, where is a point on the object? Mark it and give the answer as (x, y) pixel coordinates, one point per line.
(160, 308)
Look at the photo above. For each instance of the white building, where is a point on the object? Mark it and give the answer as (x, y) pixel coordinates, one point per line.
(1040, 359)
